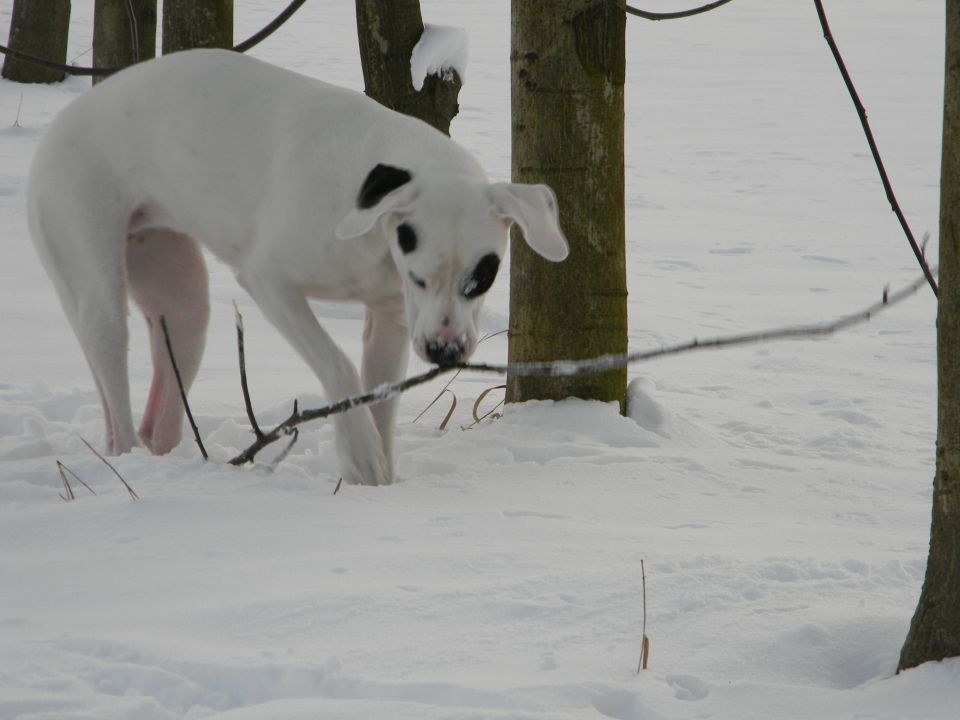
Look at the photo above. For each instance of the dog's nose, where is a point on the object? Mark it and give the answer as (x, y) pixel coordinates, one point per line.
(444, 353)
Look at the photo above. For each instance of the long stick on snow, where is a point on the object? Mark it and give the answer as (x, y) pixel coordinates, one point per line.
(577, 367)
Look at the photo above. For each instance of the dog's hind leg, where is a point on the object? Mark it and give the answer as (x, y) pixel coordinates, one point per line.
(167, 278)
(82, 251)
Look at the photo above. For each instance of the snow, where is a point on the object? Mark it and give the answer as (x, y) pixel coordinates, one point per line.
(778, 494)
(441, 50)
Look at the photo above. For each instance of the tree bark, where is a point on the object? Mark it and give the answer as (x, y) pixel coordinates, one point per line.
(935, 630)
(567, 63)
(118, 42)
(197, 24)
(38, 28)
(388, 30)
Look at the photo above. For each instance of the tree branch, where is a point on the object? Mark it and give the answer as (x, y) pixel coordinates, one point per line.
(884, 178)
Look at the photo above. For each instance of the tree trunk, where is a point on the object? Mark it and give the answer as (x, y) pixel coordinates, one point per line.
(38, 28)
(118, 41)
(567, 63)
(197, 24)
(388, 30)
(935, 630)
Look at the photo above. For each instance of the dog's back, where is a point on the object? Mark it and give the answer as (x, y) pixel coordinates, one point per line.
(210, 133)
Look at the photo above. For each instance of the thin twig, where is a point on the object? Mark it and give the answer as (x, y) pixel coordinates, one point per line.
(183, 393)
(337, 488)
(243, 373)
(294, 436)
(884, 178)
(577, 367)
(647, 15)
(130, 490)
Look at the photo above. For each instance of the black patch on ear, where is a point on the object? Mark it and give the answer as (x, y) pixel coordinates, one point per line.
(406, 238)
(382, 179)
(482, 277)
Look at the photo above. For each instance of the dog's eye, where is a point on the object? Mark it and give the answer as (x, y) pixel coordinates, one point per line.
(419, 282)
(482, 277)
(406, 238)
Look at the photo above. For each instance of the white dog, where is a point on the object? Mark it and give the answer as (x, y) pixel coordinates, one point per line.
(307, 191)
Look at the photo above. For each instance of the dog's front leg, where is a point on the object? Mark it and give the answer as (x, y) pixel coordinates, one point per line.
(386, 346)
(358, 441)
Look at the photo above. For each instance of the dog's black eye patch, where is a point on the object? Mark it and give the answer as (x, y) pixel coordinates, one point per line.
(406, 238)
(382, 180)
(482, 277)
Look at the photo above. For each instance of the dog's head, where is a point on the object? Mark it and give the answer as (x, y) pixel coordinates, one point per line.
(447, 236)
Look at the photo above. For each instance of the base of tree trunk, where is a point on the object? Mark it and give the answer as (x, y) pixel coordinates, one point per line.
(39, 28)
(567, 62)
(935, 630)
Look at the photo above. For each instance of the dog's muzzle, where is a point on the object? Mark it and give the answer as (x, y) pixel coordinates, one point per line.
(444, 353)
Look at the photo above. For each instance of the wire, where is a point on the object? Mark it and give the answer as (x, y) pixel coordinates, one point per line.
(647, 15)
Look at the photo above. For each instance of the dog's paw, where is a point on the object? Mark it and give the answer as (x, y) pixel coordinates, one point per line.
(361, 450)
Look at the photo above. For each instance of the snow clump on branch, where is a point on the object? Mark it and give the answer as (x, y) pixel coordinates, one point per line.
(442, 50)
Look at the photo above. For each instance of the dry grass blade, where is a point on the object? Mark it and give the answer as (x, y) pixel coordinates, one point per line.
(450, 382)
(63, 468)
(645, 644)
(453, 406)
(92, 449)
(439, 395)
(66, 485)
(476, 405)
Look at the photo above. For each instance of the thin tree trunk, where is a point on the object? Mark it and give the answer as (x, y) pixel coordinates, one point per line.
(119, 41)
(567, 63)
(197, 24)
(935, 630)
(388, 30)
(38, 28)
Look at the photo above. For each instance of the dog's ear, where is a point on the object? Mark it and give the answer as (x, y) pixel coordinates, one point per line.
(386, 189)
(534, 209)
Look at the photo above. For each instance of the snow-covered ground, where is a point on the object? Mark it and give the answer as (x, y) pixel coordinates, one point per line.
(779, 494)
